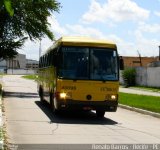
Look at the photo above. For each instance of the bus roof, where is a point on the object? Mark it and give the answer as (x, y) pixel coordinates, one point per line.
(85, 41)
(82, 41)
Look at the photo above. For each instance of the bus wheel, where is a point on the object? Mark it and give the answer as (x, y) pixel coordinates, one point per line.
(41, 94)
(100, 113)
(55, 111)
(51, 99)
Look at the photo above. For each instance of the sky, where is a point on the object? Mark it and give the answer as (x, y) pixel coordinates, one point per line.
(134, 25)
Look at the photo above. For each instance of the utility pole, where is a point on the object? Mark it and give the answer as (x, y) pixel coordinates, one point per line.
(140, 59)
(40, 49)
(159, 53)
(12, 65)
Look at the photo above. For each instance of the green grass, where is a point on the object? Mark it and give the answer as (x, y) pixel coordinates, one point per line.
(31, 77)
(2, 74)
(150, 103)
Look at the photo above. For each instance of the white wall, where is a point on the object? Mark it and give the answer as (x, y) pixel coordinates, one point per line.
(146, 76)
(141, 76)
(20, 71)
(22, 60)
(153, 76)
(121, 78)
(3, 63)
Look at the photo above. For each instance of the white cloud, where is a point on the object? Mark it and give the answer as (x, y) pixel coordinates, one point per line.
(114, 10)
(55, 26)
(149, 28)
(157, 13)
(96, 13)
(146, 46)
(124, 48)
(31, 49)
(79, 30)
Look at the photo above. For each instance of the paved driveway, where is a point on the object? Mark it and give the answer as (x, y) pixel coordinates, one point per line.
(28, 121)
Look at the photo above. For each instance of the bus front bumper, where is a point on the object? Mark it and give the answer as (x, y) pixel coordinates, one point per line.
(107, 105)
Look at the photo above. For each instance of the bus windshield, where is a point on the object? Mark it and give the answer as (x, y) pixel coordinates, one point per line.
(87, 63)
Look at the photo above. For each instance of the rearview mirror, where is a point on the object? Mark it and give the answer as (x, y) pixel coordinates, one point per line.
(121, 63)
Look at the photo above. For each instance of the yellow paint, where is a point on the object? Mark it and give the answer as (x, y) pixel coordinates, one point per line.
(82, 41)
(79, 90)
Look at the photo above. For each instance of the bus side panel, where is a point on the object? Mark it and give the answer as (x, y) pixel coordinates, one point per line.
(47, 78)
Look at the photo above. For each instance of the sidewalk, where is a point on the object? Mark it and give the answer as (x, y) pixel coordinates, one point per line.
(1, 120)
(138, 91)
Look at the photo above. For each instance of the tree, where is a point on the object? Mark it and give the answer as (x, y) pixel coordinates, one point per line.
(129, 77)
(7, 4)
(28, 21)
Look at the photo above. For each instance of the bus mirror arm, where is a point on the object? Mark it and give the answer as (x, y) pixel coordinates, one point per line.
(121, 63)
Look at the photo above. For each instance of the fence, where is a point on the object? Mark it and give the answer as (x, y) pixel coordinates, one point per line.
(149, 76)
(146, 76)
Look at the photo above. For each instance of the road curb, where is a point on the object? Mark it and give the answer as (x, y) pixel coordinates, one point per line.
(157, 115)
(1, 119)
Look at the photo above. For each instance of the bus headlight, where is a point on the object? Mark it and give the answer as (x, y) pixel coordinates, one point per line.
(63, 95)
(113, 97)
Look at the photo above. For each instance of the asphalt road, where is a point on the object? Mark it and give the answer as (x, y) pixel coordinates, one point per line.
(28, 121)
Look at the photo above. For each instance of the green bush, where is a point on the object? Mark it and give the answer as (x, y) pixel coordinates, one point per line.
(129, 77)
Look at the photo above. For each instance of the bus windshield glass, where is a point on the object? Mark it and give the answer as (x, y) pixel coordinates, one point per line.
(88, 63)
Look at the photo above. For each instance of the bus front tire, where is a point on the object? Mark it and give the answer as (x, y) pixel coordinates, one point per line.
(100, 113)
(55, 111)
(41, 94)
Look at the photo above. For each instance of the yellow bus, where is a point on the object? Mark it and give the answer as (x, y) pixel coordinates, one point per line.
(79, 73)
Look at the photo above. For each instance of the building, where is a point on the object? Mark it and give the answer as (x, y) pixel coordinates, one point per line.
(138, 61)
(32, 64)
(3, 66)
(154, 64)
(19, 62)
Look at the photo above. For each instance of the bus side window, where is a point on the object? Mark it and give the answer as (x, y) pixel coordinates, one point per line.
(55, 57)
(42, 62)
(47, 60)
